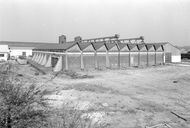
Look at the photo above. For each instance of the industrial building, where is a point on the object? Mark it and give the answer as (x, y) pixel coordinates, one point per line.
(102, 53)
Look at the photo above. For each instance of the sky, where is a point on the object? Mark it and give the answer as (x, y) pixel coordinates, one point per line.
(45, 20)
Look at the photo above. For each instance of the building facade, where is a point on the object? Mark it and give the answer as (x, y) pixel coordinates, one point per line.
(78, 55)
(4, 52)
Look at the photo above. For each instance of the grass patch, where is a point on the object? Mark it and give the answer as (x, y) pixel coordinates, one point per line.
(89, 88)
(73, 75)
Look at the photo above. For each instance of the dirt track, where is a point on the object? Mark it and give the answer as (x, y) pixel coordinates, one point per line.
(132, 98)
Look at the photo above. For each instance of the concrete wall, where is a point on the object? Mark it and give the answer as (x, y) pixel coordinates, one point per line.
(159, 58)
(4, 52)
(143, 59)
(113, 59)
(176, 58)
(134, 59)
(175, 52)
(101, 60)
(74, 61)
(19, 51)
(124, 59)
(89, 61)
(151, 58)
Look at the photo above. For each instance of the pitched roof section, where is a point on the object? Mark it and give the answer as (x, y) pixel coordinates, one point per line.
(23, 44)
(121, 45)
(63, 46)
(74, 48)
(142, 47)
(90, 48)
(83, 45)
(160, 43)
(111, 46)
(132, 47)
(97, 45)
(150, 47)
(158, 47)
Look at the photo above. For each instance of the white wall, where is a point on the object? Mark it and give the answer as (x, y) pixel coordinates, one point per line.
(4, 50)
(18, 52)
(176, 58)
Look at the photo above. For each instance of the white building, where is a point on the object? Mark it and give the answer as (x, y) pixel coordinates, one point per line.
(172, 54)
(4, 52)
(21, 48)
(20, 51)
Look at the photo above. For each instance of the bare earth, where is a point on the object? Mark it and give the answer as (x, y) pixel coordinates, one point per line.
(132, 98)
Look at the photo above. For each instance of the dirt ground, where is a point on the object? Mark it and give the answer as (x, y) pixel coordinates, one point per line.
(131, 98)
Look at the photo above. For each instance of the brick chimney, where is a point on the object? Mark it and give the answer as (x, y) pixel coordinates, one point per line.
(78, 38)
(62, 39)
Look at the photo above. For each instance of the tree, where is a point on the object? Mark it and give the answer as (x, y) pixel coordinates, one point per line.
(21, 106)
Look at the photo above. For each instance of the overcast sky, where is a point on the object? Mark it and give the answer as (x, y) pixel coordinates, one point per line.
(45, 20)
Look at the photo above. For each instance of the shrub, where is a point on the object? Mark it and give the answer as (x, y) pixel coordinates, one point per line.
(20, 106)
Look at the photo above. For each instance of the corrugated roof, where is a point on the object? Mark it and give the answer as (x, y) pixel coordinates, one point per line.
(97, 45)
(23, 44)
(63, 46)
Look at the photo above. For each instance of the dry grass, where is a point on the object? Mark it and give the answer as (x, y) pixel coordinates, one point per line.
(132, 98)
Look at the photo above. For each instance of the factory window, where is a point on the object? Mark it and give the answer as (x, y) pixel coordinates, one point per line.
(1, 55)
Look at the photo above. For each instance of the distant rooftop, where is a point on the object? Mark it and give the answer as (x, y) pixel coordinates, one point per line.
(23, 44)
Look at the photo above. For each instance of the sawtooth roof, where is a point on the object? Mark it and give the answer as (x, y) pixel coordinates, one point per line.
(65, 46)
(157, 46)
(97, 45)
(131, 46)
(140, 46)
(83, 45)
(121, 45)
(110, 45)
(149, 46)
